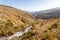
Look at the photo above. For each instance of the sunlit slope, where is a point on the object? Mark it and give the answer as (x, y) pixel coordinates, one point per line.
(44, 30)
(13, 20)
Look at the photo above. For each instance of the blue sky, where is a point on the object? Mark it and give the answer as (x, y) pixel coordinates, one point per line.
(32, 5)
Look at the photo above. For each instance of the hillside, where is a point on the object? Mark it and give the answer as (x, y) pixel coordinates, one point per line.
(13, 20)
(44, 30)
(47, 14)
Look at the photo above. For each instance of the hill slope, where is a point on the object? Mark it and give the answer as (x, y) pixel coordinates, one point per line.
(44, 30)
(13, 20)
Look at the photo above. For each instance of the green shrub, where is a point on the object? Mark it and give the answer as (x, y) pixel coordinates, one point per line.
(9, 23)
(19, 28)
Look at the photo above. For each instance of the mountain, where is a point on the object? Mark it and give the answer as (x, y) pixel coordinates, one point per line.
(47, 14)
(13, 20)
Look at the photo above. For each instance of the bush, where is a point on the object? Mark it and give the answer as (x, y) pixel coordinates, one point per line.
(9, 23)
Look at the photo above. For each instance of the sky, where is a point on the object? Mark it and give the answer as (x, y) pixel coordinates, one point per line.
(32, 5)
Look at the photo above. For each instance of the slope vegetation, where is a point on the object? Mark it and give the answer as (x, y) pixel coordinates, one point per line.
(13, 20)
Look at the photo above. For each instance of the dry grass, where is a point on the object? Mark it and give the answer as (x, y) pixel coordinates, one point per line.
(44, 30)
(13, 20)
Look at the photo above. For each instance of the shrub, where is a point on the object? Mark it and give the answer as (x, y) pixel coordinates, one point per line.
(9, 23)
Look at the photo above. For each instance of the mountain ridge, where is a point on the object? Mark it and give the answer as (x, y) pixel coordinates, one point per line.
(46, 14)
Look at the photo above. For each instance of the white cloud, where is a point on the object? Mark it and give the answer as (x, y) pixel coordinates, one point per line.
(55, 3)
(49, 5)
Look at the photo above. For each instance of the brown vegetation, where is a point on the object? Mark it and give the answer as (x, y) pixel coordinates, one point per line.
(44, 30)
(13, 20)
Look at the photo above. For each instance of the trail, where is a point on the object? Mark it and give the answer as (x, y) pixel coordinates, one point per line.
(17, 34)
